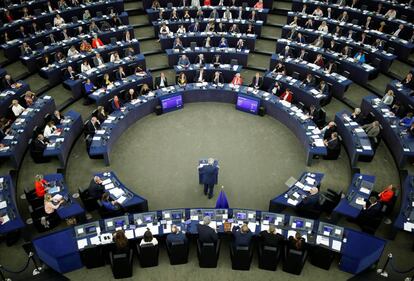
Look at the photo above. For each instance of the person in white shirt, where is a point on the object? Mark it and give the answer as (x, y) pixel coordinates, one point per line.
(304, 7)
(58, 21)
(294, 23)
(200, 77)
(85, 66)
(367, 23)
(398, 31)
(114, 57)
(391, 14)
(323, 27)
(227, 14)
(329, 11)
(318, 12)
(181, 30)
(72, 51)
(195, 3)
(148, 239)
(164, 29)
(50, 129)
(17, 108)
(388, 98)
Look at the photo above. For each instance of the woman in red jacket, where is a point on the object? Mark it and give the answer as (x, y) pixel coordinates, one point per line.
(287, 96)
(96, 42)
(40, 186)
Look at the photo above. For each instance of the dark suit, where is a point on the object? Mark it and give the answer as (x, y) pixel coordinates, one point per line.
(91, 128)
(257, 82)
(96, 190)
(310, 201)
(97, 62)
(209, 173)
(272, 240)
(206, 234)
(7, 83)
(158, 82)
(39, 145)
(71, 75)
(119, 75)
(241, 239)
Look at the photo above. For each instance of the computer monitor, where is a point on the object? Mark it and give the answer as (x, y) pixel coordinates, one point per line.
(299, 223)
(171, 102)
(211, 214)
(241, 216)
(270, 219)
(147, 218)
(176, 216)
(90, 229)
(248, 104)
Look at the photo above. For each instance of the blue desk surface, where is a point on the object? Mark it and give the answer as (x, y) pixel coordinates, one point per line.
(348, 207)
(399, 142)
(131, 200)
(353, 136)
(8, 194)
(402, 93)
(290, 115)
(407, 204)
(7, 96)
(21, 130)
(71, 208)
(177, 3)
(286, 197)
(226, 70)
(61, 144)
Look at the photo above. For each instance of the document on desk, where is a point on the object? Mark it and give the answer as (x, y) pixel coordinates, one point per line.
(364, 190)
(292, 202)
(252, 226)
(82, 243)
(116, 192)
(336, 245)
(310, 180)
(409, 226)
(139, 232)
(153, 228)
(264, 227)
(322, 240)
(109, 186)
(3, 204)
(129, 233)
(319, 143)
(95, 240)
(121, 199)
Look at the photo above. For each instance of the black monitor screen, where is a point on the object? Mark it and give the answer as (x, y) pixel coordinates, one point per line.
(271, 219)
(241, 216)
(90, 229)
(299, 223)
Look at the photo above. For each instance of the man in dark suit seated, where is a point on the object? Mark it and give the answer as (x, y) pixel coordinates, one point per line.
(333, 146)
(7, 82)
(209, 173)
(176, 235)
(242, 235)
(96, 189)
(311, 201)
(371, 210)
(257, 81)
(205, 233)
(40, 144)
(270, 237)
(69, 74)
(161, 81)
(92, 126)
(120, 74)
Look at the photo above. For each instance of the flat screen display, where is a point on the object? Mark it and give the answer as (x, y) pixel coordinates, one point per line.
(327, 229)
(248, 104)
(299, 223)
(241, 216)
(90, 229)
(209, 213)
(176, 216)
(171, 102)
(119, 223)
(147, 219)
(271, 219)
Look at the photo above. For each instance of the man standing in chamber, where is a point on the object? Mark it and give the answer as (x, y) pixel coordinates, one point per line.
(209, 174)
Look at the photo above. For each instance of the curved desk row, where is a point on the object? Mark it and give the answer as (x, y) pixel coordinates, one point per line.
(7, 96)
(398, 141)
(96, 73)
(339, 83)
(398, 44)
(359, 72)
(54, 72)
(93, 7)
(11, 49)
(21, 131)
(103, 95)
(261, 14)
(355, 13)
(32, 61)
(226, 55)
(242, 24)
(402, 93)
(8, 209)
(297, 190)
(178, 3)
(304, 93)
(71, 127)
(15, 8)
(401, 8)
(130, 201)
(228, 71)
(358, 192)
(167, 42)
(71, 208)
(354, 138)
(373, 55)
(358, 250)
(405, 219)
(291, 116)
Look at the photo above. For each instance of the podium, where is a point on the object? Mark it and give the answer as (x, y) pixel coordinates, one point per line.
(203, 162)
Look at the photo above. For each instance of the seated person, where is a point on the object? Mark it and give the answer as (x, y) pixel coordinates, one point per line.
(319, 61)
(182, 79)
(242, 236)
(407, 120)
(206, 234)
(297, 242)
(60, 57)
(287, 52)
(240, 44)
(106, 81)
(184, 61)
(250, 29)
(333, 146)
(370, 211)
(164, 30)
(372, 130)
(109, 204)
(300, 38)
(323, 88)
(139, 71)
(161, 81)
(258, 5)
(218, 78)
(359, 57)
(223, 43)
(176, 235)
(72, 51)
(41, 186)
(57, 117)
(328, 130)
(287, 95)
(126, 36)
(257, 81)
(145, 89)
(25, 49)
(408, 81)
(237, 80)
(181, 30)
(221, 28)
(130, 95)
(276, 89)
(101, 115)
(116, 103)
(148, 239)
(216, 61)
(50, 205)
(200, 76)
(357, 116)
(388, 98)
(93, 28)
(311, 201)
(8, 82)
(50, 129)
(207, 42)
(386, 195)
(309, 80)
(318, 42)
(85, 46)
(96, 189)
(234, 29)
(92, 126)
(195, 27)
(89, 87)
(85, 66)
(279, 69)
(331, 67)
(120, 74)
(270, 237)
(121, 243)
(114, 57)
(96, 42)
(178, 44)
(16, 108)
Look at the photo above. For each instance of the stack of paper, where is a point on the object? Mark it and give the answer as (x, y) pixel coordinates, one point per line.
(322, 240)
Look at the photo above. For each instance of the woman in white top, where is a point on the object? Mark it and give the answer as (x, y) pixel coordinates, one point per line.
(195, 3)
(72, 51)
(227, 15)
(17, 108)
(58, 21)
(388, 98)
(164, 29)
(207, 43)
(317, 12)
(391, 14)
(114, 57)
(50, 128)
(323, 27)
(85, 66)
(181, 30)
(294, 23)
(148, 239)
